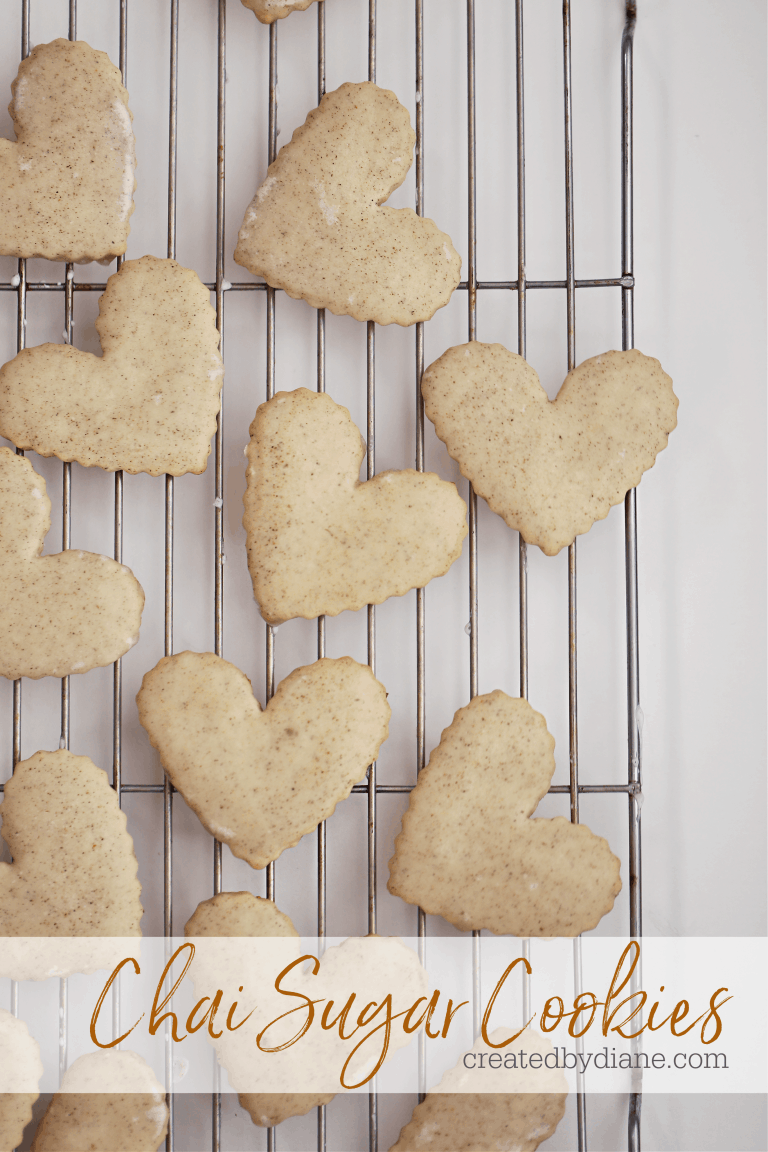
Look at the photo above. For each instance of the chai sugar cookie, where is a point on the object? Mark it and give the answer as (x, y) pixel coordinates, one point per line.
(267, 11)
(59, 614)
(239, 914)
(319, 541)
(149, 404)
(20, 1072)
(66, 184)
(274, 1085)
(74, 872)
(260, 780)
(107, 1100)
(474, 1109)
(468, 850)
(316, 226)
(550, 468)
(243, 915)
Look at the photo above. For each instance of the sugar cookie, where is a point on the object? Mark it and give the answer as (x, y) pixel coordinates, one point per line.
(316, 227)
(241, 914)
(274, 1085)
(66, 184)
(74, 872)
(20, 1072)
(318, 540)
(107, 1100)
(267, 11)
(59, 614)
(550, 468)
(475, 1108)
(469, 851)
(149, 404)
(260, 780)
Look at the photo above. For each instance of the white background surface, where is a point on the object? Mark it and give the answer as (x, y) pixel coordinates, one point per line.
(699, 255)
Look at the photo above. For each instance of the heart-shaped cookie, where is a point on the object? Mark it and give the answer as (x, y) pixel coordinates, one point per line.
(550, 468)
(66, 185)
(275, 1085)
(477, 1107)
(267, 11)
(107, 1100)
(59, 614)
(316, 227)
(20, 1072)
(319, 541)
(74, 872)
(149, 404)
(243, 915)
(469, 851)
(260, 780)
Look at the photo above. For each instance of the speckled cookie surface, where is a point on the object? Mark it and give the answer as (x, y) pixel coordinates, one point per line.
(318, 540)
(66, 185)
(260, 780)
(149, 404)
(108, 1101)
(74, 872)
(241, 914)
(20, 1072)
(550, 468)
(267, 11)
(59, 614)
(469, 851)
(316, 227)
(476, 1109)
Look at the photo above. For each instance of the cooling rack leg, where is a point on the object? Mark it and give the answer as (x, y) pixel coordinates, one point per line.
(218, 545)
(117, 674)
(373, 1098)
(634, 749)
(21, 341)
(321, 829)
(420, 592)
(173, 77)
(270, 631)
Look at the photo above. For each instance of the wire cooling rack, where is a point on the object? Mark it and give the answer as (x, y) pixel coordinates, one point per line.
(624, 283)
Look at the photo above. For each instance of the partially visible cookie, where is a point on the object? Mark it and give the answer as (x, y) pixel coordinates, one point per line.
(469, 851)
(241, 914)
(550, 468)
(320, 541)
(59, 614)
(267, 11)
(475, 1108)
(260, 780)
(107, 1101)
(20, 1073)
(66, 185)
(289, 1080)
(149, 404)
(74, 872)
(316, 227)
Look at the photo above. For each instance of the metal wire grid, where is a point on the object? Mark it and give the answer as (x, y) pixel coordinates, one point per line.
(521, 285)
